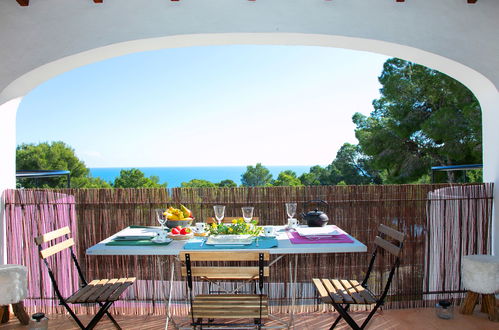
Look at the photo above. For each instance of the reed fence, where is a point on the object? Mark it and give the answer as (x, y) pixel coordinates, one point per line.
(442, 223)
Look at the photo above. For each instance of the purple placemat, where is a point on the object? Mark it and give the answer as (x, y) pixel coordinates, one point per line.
(295, 238)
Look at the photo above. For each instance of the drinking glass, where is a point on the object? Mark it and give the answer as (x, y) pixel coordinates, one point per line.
(219, 212)
(291, 210)
(247, 213)
(161, 218)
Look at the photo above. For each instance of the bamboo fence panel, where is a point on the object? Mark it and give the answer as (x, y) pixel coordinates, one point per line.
(442, 222)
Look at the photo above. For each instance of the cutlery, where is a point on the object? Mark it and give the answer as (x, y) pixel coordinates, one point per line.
(315, 238)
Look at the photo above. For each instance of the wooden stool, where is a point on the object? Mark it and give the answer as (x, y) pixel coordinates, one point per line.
(13, 285)
(480, 278)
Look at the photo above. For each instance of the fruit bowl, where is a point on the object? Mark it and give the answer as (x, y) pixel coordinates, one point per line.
(182, 223)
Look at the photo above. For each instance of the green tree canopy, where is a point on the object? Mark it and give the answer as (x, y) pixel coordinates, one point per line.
(287, 178)
(423, 118)
(256, 176)
(51, 156)
(198, 183)
(227, 184)
(135, 178)
(351, 167)
(316, 176)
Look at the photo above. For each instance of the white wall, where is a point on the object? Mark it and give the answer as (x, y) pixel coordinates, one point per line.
(53, 36)
(7, 160)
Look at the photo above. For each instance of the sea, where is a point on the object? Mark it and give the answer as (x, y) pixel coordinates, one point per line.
(174, 176)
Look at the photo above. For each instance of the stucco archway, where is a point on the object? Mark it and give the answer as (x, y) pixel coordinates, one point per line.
(483, 88)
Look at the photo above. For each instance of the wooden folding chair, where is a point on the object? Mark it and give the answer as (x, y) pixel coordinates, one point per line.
(226, 306)
(343, 293)
(103, 292)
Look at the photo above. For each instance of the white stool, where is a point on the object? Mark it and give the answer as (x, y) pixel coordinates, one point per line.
(13, 285)
(480, 274)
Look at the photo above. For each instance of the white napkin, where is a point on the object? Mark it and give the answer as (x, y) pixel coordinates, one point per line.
(318, 231)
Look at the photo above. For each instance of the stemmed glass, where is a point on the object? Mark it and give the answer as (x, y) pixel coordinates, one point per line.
(247, 213)
(219, 212)
(161, 218)
(291, 210)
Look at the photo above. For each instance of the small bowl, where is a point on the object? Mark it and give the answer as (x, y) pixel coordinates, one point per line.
(182, 223)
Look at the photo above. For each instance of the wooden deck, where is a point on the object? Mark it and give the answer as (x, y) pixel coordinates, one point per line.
(412, 319)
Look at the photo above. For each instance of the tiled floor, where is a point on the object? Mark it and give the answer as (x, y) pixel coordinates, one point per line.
(393, 319)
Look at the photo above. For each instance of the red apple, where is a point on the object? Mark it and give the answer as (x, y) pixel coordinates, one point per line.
(175, 231)
(185, 231)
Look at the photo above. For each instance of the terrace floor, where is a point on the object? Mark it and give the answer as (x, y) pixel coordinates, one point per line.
(422, 318)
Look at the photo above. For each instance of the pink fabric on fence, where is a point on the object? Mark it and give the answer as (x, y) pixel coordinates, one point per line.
(295, 238)
(29, 214)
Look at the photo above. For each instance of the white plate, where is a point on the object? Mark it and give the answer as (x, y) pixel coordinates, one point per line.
(160, 240)
(229, 240)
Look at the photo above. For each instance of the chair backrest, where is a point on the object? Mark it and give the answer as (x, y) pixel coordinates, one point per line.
(236, 272)
(391, 241)
(386, 234)
(53, 249)
(211, 220)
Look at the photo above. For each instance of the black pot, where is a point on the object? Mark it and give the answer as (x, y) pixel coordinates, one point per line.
(315, 218)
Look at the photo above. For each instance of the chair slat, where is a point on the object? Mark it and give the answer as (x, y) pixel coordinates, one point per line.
(56, 248)
(95, 288)
(393, 249)
(368, 297)
(81, 292)
(110, 289)
(225, 256)
(321, 288)
(52, 235)
(352, 292)
(95, 295)
(342, 291)
(116, 294)
(332, 291)
(225, 306)
(228, 296)
(233, 273)
(395, 234)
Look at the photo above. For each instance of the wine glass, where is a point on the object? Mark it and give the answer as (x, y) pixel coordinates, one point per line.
(219, 212)
(291, 210)
(161, 218)
(247, 213)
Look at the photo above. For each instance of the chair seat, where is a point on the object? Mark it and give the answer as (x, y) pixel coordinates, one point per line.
(101, 290)
(343, 291)
(229, 306)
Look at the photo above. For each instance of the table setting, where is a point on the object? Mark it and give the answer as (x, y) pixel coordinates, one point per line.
(178, 231)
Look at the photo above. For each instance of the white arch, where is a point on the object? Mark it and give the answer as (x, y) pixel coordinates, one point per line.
(485, 91)
(474, 80)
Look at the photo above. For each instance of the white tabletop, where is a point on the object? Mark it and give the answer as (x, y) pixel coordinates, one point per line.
(284, 246)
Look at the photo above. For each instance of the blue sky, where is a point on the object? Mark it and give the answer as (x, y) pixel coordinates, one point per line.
(206, 106)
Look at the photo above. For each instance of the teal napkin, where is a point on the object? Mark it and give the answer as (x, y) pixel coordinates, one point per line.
(263, 243)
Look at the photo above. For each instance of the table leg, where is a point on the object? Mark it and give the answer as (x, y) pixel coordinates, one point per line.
(293, 270)
(169, 295)
(168, 315)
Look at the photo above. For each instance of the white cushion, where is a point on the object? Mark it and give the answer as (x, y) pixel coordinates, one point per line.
(480, 273)
(13, 284)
